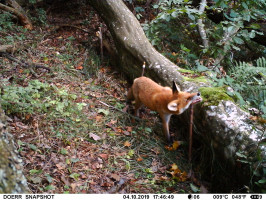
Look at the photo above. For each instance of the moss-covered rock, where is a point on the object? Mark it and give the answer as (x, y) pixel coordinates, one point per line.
(213, 95)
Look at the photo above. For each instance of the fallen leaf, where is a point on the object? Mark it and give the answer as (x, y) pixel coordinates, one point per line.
(60, 166)
(115, 177)
(73, 186)
(169, 148)
(156, 150)
(36, 180)
(126, 133)
(113, 121)
(94, 136)
(103, 155)
(129, 129)
(127, 144)
(139, 159)
(79, 67)
(98, 118)
(21, 125)
(175, 145)
(103, 111)
(174, 167)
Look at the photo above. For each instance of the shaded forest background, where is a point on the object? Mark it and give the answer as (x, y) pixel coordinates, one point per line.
(223, 40)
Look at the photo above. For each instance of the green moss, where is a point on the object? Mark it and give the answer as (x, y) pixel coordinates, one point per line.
(200, 79)
(192, 76)
(213, 95)
(186, 71)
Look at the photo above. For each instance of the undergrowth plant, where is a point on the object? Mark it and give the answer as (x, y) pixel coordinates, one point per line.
(41, 98)
(177, 24)
(248, 81)
(5, 21)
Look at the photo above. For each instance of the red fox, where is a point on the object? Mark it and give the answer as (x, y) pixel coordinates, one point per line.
(164, 100)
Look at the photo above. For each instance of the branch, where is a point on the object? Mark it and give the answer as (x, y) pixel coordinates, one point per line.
(227, 37)
(17, 11)
(22, 63)
(202, 31)
(6, 48)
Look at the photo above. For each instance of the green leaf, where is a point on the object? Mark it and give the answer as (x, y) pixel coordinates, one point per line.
(230, 29)
(241, 155)
(131, 152)
(74, 176)
(252, 34)
(49, 187)
(262, 181)
(254, 26)
(74, 160)
(148, 130)
(233, 14)
(245, 5)
(238, 40)
(35, 171)
(103, 111)
(202, 68)
(49, 178)
(194, 188)
(191, 17)
(33, 147)
(63, 151)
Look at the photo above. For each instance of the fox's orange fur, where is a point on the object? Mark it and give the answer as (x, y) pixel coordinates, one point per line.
(164, 100)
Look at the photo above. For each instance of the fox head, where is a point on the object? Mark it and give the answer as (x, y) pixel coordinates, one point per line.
(182, 100)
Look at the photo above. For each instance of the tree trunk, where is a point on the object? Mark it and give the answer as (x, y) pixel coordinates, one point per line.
(11, 178)
(219, 123)
(133, 48)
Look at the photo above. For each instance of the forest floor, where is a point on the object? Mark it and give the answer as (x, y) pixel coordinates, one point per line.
(72, 131)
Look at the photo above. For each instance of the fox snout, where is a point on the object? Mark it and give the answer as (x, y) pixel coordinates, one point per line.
(197, 98)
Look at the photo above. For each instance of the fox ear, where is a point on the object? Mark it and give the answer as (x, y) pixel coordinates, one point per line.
(175, 88)
(172, 106)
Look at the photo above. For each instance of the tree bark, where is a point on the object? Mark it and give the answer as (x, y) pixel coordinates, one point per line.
(12, 179)
(133, 48)
(220, 125)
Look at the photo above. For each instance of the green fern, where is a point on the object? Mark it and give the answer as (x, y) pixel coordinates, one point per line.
(250, 82)
(261, 62)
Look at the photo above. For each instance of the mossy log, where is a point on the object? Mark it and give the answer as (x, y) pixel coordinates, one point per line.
(12, 179)
(219, 123)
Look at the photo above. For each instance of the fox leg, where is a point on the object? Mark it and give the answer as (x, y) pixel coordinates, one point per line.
(137, 105)
(166, 120)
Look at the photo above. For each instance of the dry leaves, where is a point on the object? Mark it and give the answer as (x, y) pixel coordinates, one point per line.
(127, 144)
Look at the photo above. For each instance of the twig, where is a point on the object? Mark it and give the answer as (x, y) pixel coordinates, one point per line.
(99, 34)
(202, 31)
(71, 26)
(109, 106)
(190, 133)
(22, 63)
(226, 38)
